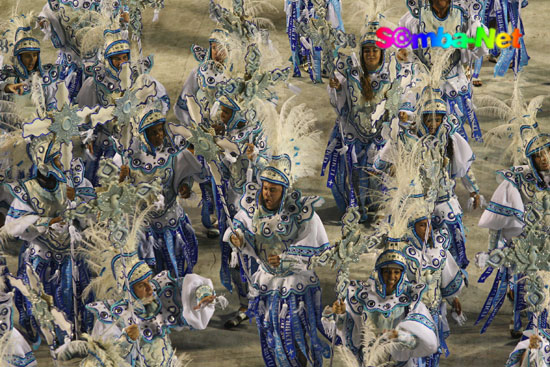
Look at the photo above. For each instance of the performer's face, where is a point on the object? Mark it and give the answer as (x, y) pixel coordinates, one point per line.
(421, 228)
(371, 57)
(155, 135)
(541, 159)
(144, 291)
(441, 7)
(225, 114)
(118, 60)
(271, 195)
(217, 52)
(391, 277)
(433, 121)
(30, 59)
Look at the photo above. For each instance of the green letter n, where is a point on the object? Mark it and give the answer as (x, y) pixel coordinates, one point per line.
(489, 39)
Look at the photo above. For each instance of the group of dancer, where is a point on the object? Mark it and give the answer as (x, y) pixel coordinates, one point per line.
(96, 181)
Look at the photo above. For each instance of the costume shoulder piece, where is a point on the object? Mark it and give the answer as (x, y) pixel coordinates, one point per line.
(78, 4)
(18, 190)
(345, 62)
(106, 82)
(297, 209)
(6, 313)
(362, 296)
(7, 71)
(102, 311)
(521, 177)
(52, 73)
(199, 52)
(210, 73)
(149, 163)
(168, 291)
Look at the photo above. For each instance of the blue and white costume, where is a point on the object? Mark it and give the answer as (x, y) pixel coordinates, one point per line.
(371, 309)
(505, 16)
(456, 89)
(430, 263)
(48, 246)
(354, 141)
(515, 206)
(286, 300)
(170, 242)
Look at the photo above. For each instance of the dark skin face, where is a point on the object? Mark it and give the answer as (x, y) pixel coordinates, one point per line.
(541, 159)
(432, 121)
(225, 114)
(155, 135)
(30, 59)
(441, 7)
(421, 227)
(391, 277)
(372, 57)
(272, 195)
(118, 60)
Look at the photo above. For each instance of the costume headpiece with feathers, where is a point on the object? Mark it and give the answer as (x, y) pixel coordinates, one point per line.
(112, 264)
(17, 38)
(293, 140)
(515, 116)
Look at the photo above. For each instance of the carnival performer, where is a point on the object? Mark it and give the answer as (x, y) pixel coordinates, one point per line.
(303, 52)
(27, 75)
(386, 306)
(15, 350)
(279, 227)
(533, 348)
(203, 79)
(505, 16)
(249, 137)
(429, 262)
(458, 157)
(431, 16)
(354, 92)
(514, 208)
(64, 23)
(102, 85)
(103, 76)
(36, 216)
(201, 84)
(146, 308)
(170, 242)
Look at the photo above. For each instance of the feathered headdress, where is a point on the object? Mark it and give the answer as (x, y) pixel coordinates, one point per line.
(17, 38)
(412, 189)
(514, 115)
(113, 265)
(293, 140)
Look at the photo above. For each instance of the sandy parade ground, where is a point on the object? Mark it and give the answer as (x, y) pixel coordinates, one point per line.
(184, 22)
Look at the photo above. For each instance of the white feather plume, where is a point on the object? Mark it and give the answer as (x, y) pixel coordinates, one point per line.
(513, 114)
(292, 131)
(377, 349)
(99, 251)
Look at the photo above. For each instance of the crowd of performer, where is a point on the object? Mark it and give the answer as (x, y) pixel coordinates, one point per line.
(95, 182)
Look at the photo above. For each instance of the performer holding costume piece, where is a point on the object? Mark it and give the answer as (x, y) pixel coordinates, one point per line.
(356, 89)
(388, 308)
(170, 242)
(279, 227)
(36, 216)
(517, 205)
(26, 73)
(145, 308)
